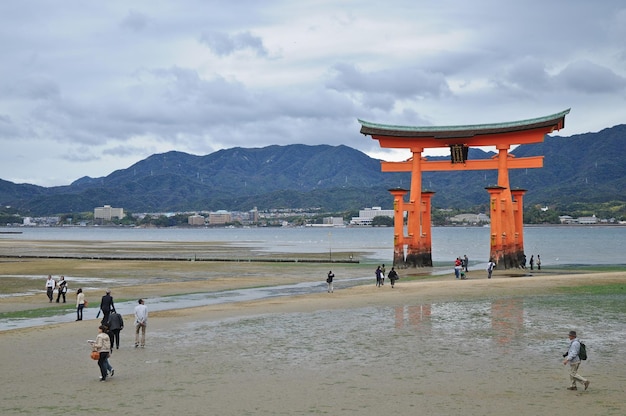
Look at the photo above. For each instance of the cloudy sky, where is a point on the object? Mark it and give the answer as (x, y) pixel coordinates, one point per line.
(88, 87)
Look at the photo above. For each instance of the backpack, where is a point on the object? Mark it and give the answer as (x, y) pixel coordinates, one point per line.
(582, 352)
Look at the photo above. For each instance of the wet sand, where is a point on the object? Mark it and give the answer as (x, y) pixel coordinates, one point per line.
(361, 351)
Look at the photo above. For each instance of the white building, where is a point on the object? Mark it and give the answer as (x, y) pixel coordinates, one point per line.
(471, 218)
(107, 213)
(335, 221)
(367, 215)
(587, 220)
(253, 215)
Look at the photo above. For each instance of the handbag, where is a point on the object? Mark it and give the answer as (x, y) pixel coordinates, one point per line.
(95, 355)
(85, 304)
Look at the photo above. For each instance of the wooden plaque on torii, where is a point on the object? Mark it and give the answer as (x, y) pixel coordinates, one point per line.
(413, 249)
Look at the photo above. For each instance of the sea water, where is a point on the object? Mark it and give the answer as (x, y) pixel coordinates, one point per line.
(557, 245)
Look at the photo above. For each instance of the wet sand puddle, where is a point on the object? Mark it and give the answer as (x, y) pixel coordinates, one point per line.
(445, 356)
(187, 301)
(523, 326)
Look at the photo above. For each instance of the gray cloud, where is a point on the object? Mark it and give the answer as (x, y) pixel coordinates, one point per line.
(381, 89)
(223, 44)
(589, 78)
(135, 21)
(98, 87)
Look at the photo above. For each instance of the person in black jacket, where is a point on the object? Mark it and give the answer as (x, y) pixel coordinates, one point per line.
(116, 324)
(329, 280)
(106, 306)
(62, 289)
(393, 276)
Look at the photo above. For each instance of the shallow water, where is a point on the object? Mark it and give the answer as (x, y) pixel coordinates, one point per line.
(185, 301)
(479, 357)
(517, 327)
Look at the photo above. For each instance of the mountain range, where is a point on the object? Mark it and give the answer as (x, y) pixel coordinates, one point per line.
(581, 168)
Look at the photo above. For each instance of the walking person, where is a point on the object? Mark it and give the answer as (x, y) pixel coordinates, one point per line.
(329, 280)
(573, 359)
(393, 276)
(62, 289)
(106, 306)
(115, 324)
(141, 321)
(107, 364)
(378, 273)
(102, 344)
(457, 268)
(50, 285)
(538, 262)
(490, 267)
(532, 261)
(466, 263)
(382, 275)
(80, 304)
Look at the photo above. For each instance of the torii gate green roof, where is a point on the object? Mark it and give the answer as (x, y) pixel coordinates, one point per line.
(556, 121)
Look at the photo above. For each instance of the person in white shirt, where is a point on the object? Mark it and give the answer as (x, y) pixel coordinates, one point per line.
(50, 285)
(141, 320)
(80, 304)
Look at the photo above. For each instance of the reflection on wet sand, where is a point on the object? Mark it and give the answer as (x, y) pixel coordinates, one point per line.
(506, 316)
(414, 316)
(507, 319)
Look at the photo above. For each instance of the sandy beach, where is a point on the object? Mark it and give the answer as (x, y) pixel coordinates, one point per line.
(362, 350)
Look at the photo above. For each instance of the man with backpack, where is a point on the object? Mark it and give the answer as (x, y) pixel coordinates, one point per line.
(573, 356)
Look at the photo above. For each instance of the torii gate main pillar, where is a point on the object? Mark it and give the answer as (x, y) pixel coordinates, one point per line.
(506, 205)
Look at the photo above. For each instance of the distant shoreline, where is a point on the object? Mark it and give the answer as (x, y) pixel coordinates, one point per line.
(309, 226)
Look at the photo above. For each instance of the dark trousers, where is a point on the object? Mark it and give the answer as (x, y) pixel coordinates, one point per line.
(105, 317)
(59, 296)
(79, 312)
(102, 363)
(49, 292)
(115, 338)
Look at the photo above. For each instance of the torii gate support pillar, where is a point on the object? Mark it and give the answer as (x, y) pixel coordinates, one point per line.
(418, 242)
(398, 225)
(507, 239)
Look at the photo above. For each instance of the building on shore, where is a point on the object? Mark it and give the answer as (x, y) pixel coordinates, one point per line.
(473, 219)
(107, 213)
(334, 221)
(219, 217)
(367, 215)
(196, 220)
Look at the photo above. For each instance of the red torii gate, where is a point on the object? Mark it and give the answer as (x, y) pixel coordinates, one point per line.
(506, 207)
